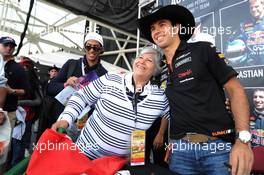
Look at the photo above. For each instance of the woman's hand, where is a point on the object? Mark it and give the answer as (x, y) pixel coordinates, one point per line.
(60, 124)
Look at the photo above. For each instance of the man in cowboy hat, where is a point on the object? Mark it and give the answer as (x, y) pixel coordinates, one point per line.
(201, 128)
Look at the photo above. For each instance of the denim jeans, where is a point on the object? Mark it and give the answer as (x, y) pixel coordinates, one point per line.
(19, 146)
(208, 158)
(17, 152)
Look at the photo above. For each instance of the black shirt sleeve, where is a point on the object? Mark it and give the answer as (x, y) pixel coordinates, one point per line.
(218, 66)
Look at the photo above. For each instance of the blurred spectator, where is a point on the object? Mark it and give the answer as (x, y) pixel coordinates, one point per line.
(17, 80)
(31, 102)
(257, 118)
(3, 92)
(49, 102)
(53, 72)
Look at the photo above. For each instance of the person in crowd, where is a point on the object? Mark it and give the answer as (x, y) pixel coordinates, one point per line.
(3, 119)
(73, 69)
(17, 83)
(31, 102)
(53, 72)
(3, 91)
(49, 103)
(195, 75)
(123, 103)
(257, 118)
(246, 46)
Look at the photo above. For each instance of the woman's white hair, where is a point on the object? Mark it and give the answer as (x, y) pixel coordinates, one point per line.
(157, 58)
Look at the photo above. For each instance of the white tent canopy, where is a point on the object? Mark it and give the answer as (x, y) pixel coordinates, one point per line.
(59, 58)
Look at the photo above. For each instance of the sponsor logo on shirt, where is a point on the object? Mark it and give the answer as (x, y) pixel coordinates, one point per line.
(184, 74)
(187, 79)
(186, 60)
(223, 132)
(182, 56)
(221, 56)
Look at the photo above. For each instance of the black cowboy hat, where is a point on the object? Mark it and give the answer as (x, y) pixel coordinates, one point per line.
(174, 13)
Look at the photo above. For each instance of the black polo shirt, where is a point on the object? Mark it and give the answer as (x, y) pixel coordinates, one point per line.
(195, 90)
(16, 79)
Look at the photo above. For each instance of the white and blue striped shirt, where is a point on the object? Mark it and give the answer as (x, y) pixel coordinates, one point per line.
(108, 130)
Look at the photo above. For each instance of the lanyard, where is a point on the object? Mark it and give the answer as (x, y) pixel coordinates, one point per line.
(135, 98)
(135, 101)
(83, 72)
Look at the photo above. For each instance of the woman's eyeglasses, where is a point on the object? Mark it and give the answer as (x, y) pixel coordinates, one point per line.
(95, 48)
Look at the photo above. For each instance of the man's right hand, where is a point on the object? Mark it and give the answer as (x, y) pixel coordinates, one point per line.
(60, 124)
(72, 81)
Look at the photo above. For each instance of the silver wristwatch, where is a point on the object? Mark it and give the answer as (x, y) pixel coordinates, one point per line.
(244, 136)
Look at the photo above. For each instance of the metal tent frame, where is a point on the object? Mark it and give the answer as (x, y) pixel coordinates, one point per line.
(39, 29)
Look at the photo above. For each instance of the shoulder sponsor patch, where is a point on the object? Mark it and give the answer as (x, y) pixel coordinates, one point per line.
(185, 60)
(221, 55)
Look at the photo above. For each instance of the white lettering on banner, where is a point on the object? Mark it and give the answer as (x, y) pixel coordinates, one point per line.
(251, 73)
(174, 2)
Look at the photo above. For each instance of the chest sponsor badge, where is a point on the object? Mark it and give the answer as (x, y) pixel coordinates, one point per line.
(221, 56)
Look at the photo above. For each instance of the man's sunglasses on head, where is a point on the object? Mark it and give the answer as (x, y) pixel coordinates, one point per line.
(95, 48)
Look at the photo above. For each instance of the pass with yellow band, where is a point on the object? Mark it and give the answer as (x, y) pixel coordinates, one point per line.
(137, 155)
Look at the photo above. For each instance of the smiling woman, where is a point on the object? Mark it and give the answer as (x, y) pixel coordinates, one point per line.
(134, 106)
(146, 65)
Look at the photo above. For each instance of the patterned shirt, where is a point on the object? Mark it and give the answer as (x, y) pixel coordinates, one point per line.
(108, 130)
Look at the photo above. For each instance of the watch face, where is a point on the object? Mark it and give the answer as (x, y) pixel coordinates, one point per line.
(244, 136)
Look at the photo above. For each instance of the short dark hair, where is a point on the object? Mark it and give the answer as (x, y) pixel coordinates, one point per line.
(53, 67)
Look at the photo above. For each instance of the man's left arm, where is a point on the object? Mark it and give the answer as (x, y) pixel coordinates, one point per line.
(241, 157)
